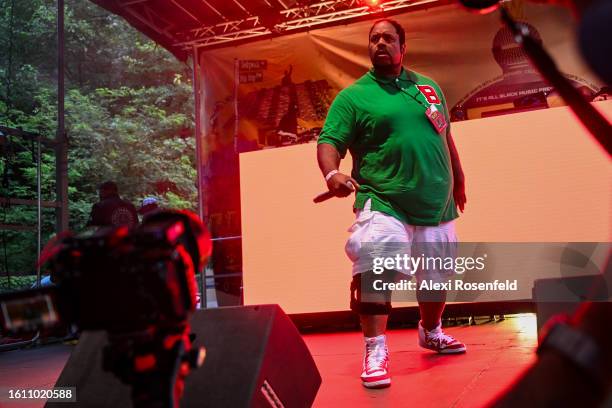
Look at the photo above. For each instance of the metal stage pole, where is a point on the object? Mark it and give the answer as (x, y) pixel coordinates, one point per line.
(198, 141)
(61, 147)
(38, 210)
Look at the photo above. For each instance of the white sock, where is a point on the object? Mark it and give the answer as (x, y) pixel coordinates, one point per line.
(376, 341)
(437, 329)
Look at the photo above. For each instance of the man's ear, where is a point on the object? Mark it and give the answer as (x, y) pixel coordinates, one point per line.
(403, 49)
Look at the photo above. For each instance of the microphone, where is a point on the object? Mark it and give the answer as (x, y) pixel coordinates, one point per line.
(328, 194)
(323, 197)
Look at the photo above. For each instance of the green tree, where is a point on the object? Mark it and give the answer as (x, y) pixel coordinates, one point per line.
(129, 116)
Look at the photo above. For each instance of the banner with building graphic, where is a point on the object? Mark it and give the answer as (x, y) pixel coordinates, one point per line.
(283, 87)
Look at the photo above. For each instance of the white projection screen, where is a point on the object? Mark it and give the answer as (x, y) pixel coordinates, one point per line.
(530, 177)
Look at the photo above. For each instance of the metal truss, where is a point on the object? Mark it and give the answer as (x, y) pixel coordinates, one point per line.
(140, 10)
(286, 21)
(276, 21)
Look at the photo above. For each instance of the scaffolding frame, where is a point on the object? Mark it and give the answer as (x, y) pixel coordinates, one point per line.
(39, 203)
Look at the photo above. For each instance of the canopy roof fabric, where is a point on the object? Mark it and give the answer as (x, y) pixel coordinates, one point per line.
(181, 25)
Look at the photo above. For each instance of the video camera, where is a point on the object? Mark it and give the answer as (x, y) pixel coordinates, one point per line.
(139, 286)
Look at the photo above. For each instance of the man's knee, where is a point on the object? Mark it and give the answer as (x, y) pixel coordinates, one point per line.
(381, 306)
(436, 296)
(367, 308)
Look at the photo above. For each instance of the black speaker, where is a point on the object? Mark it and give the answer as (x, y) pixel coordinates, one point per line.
(255, 357)
(564, 295)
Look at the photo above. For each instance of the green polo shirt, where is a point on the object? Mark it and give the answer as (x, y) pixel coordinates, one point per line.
(400, 161)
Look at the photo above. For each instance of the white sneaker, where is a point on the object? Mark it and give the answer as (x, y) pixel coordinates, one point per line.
(375, 372)
(436, 340)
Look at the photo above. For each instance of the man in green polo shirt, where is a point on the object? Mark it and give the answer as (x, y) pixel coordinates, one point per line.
(408, 182)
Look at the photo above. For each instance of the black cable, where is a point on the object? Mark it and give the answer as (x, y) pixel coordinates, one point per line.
(590, 117)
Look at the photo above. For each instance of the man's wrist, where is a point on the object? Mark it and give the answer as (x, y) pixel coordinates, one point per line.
(331, 174)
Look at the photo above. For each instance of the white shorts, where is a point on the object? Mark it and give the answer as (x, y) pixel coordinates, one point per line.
(376, 234)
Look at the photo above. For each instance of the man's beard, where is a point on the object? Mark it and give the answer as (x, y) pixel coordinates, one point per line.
(384, 65)
(382, 60)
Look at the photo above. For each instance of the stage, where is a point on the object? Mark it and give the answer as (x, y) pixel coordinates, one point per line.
(497, 353)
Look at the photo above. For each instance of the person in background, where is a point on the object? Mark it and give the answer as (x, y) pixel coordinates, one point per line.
(148, 206)
(112, 210)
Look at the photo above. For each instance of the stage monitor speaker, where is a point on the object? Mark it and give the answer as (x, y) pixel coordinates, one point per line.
(548, 293)
(255, 357)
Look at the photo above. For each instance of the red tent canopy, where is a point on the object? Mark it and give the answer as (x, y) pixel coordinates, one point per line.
(181, 25)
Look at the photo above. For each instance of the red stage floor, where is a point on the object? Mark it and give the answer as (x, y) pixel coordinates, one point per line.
(497, 352)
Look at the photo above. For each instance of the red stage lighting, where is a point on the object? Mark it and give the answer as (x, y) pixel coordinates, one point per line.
(480, 6)
(372, 4)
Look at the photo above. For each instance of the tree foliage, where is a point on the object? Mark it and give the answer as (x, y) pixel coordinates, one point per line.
(129, 116)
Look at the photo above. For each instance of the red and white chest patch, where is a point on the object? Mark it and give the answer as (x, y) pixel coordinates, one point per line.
(429, 93)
